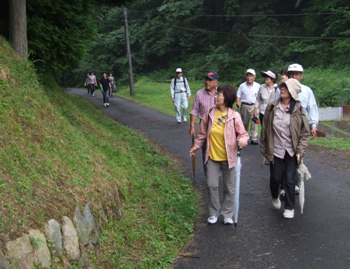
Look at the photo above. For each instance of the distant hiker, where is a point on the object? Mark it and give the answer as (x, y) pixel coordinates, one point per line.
(307, 97)
(91, 83)
(220, 130)
(106, 87)
(204, 101)
(113, 86)
(283, 142)
(86, 83)
(246, 97)
(284, 75)
(266, 94)
(180, 92)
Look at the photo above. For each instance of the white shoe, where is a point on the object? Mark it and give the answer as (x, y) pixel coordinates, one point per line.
(228, 221)
(104, 104)
(297, 190)
(212, 219)
(288, 213)
(276, 203)
(184, 120)
(107, 104)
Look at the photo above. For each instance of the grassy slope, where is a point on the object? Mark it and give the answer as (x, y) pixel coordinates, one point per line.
(58, 151)
(156, 95)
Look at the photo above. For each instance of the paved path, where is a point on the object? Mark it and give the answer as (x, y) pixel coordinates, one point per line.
(319, 239)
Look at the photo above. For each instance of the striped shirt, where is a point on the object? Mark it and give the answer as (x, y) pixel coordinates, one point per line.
(203, 101)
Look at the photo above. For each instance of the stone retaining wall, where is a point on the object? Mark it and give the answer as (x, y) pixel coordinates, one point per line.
(61, 245)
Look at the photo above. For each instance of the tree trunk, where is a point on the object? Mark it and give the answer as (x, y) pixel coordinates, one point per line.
(18, 27)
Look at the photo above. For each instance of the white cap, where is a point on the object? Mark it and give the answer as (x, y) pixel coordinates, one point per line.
(269, 73)
(250, 71)
(295, 68)
(178, 70)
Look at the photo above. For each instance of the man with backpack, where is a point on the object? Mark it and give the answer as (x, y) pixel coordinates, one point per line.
(179, 92)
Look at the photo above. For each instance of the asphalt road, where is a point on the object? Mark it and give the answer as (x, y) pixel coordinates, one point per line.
(318, 239)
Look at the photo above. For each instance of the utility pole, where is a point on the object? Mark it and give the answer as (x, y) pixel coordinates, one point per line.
(131, 79)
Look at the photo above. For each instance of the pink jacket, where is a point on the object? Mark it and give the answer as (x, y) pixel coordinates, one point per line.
(234, 131)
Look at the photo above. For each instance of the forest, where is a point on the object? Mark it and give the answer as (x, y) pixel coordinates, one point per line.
(68, 40)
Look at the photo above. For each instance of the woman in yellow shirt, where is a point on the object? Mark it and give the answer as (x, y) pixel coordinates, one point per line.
(223, 130)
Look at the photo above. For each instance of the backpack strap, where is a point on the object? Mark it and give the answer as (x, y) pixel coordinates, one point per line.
(184, 80)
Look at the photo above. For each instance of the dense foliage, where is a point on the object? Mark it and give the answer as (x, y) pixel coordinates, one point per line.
(70, 39)
(225, 35)
(60, 33)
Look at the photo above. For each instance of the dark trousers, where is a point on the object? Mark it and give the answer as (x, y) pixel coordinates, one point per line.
(261, 118)
(105, 96)
(283, 172)
(91, 88)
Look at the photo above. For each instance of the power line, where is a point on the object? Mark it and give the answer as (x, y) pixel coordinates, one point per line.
(249, 15)
(270, 36)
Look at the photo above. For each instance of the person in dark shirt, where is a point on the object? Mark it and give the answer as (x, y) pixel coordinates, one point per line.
(105, 85)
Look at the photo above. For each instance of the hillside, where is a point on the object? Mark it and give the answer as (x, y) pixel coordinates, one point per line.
(58, 151)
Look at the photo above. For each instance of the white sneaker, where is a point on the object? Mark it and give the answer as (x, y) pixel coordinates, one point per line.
(107, 104)
(184, 120)
(276, 203)
(228, 221)
(288, 213)
(297, 190)
(212, 219)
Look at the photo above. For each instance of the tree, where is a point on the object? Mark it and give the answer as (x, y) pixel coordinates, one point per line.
(18, 27)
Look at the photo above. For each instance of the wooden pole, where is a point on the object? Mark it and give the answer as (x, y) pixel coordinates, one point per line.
(131, 79)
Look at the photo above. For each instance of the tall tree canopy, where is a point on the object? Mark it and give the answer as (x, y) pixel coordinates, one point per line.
(225, 35)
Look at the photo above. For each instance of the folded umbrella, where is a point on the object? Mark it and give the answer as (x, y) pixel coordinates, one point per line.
(303, 174)
(237, 188)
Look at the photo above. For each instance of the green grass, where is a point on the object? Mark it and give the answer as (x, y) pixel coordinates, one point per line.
(156, 94)
(58, 151)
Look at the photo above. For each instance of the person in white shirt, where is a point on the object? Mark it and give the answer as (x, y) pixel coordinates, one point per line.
(180, 92)
(246, 97)
(307, 97)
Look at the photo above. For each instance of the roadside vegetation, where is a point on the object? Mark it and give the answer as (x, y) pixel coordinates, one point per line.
(325, 83)
(58, 151)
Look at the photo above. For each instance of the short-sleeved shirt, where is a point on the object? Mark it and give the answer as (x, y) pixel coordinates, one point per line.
(203, 101)
(105, 83)
(248, 93)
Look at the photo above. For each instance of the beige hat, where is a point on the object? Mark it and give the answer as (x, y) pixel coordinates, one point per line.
(294, 87)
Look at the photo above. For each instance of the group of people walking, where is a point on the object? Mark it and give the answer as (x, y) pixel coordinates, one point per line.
(288, 114)
(106, 84)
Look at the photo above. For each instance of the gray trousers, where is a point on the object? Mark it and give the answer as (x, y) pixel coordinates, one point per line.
(247, 114)
(214, 171)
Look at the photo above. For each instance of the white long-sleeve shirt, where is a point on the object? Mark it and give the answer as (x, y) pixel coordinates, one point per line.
(308, 102)
(180, 87)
